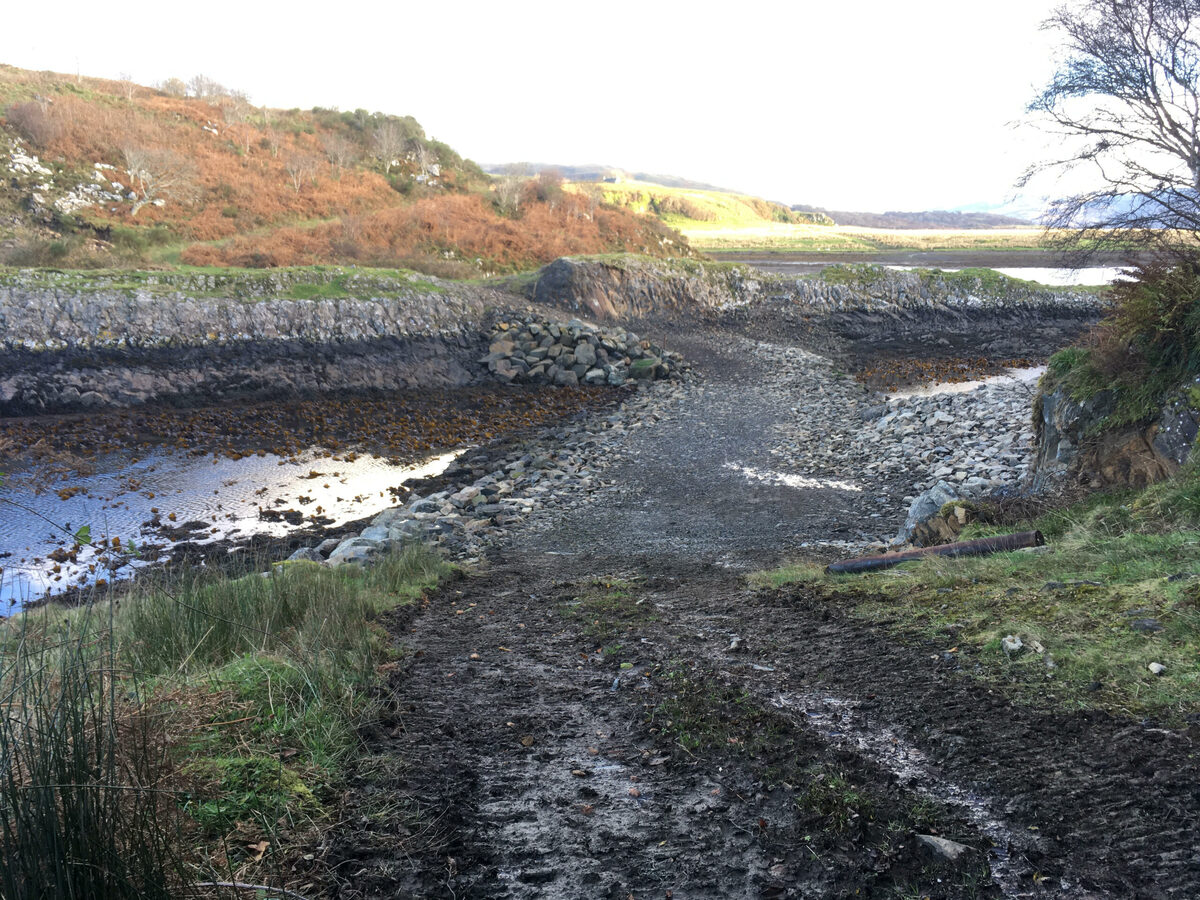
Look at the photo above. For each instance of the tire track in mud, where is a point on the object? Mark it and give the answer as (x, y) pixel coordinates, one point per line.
(1080, 804)
(541, 768)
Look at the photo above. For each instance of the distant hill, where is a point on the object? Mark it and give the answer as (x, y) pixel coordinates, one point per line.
(685, 208)
(644, 182)
(587, 173)
(941, 218)
(98, 172)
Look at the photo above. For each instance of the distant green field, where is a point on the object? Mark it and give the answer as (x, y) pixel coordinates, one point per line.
(721, 221)
(787, 238)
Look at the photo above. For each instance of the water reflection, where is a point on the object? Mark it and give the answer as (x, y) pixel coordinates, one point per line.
(1026, 376)
(163, 499)
(1091, 276)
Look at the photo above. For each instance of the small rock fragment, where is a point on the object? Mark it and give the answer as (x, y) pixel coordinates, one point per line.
(1011, 644)
(942, 848)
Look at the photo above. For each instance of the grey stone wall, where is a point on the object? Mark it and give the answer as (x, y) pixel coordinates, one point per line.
(40, 314)
(74, 342)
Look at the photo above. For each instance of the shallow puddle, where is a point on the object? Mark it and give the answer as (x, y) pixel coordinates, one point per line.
(786, 479)
(144, 508)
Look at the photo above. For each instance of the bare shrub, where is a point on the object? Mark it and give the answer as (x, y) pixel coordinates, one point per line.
(157, 173)
(340, 150)
(173, 87)
(301, 168)
(36, 122)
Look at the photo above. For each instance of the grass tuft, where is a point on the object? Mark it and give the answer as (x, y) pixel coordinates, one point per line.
(142, 742)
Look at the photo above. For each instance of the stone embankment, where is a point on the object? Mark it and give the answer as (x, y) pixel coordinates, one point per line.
(137, 311)
(487, 494)
(75, 341)
(80, 342)
(631, 287)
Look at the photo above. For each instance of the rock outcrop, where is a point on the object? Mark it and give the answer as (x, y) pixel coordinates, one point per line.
(632, 288)
(1072, 443)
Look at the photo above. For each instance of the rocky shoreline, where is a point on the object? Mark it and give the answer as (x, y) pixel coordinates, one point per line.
(490, 493)
(890, 451)
(823, 430)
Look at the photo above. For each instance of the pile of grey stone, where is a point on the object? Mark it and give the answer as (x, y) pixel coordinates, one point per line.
(537, 351)
(920, 450)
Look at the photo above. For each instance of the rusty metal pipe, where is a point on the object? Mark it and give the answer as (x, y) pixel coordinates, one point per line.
(981, 547)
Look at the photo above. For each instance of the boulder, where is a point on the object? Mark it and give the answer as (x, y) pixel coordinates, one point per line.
(926, 506)
(306, 553)
(585, 355)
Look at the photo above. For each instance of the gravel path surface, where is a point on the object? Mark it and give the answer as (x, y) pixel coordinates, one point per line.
(776, 452)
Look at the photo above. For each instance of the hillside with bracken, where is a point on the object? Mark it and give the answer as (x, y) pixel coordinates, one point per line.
(110, 173)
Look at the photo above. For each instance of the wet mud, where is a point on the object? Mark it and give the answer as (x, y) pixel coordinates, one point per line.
(616, 727)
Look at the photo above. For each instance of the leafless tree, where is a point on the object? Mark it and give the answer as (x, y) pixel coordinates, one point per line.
(205, 88)
(274, 142)
(548, 187)
(128, 86)
(340, 150)
(388, 141)
(509, 187)
(1124, 105)
(301, 167)
(423, 156)
(157, 174)
(236, 108)
(174, 87)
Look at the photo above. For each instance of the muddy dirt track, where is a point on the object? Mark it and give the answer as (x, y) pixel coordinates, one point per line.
(607, 710)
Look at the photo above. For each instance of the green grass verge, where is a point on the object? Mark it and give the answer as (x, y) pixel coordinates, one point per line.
(977, 280)
(1116, 588)
(250, 285)
(203, 716)
(777, 237)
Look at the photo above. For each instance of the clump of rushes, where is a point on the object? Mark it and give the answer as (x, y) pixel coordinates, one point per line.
(195, 732)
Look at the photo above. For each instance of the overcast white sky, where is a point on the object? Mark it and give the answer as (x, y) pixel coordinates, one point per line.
(868, 105)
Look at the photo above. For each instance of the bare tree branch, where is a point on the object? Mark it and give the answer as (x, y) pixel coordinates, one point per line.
(1126, 103)
(156, 174)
